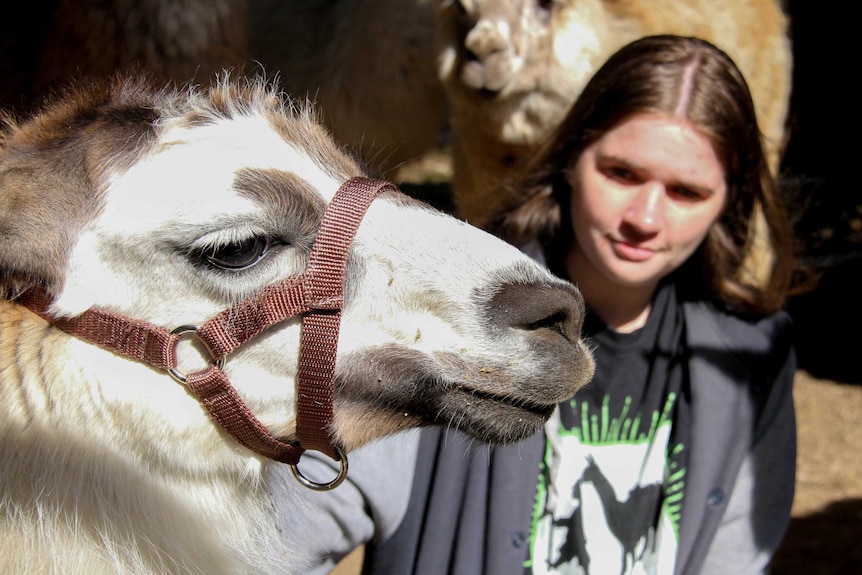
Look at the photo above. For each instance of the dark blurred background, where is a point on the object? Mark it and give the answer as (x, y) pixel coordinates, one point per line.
(818, 170)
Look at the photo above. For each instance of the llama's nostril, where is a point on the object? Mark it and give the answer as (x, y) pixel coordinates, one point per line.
(557, 307)
(556, 322)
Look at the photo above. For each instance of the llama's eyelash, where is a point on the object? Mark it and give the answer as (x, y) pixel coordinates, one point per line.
(233, 250)
(239, 255)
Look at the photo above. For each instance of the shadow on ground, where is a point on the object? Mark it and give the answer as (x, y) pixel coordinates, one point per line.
(828, 542)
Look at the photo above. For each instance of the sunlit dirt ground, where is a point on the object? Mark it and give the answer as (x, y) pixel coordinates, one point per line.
(825, 536)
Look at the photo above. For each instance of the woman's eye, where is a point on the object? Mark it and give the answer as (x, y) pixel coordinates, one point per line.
(621, 174)
(686, 194)
(239, 255)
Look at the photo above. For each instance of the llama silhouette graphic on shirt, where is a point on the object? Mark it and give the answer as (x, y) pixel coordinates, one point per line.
(631, 521)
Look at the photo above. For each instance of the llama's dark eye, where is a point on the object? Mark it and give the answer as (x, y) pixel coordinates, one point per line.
(239, 255)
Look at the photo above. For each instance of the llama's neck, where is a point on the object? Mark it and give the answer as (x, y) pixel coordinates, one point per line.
(78, 486)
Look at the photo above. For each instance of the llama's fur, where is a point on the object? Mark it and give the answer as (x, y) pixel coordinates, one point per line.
(131, 200)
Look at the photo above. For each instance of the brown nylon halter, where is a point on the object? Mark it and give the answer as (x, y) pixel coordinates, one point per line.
(317, 295)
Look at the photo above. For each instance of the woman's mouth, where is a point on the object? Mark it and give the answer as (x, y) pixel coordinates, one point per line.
(631, 252)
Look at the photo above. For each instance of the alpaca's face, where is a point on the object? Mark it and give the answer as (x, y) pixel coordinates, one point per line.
(517, 62)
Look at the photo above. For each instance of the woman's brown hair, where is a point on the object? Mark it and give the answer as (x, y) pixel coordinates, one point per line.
(683, 77)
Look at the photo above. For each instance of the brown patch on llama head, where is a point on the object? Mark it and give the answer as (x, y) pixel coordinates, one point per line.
(53, 168)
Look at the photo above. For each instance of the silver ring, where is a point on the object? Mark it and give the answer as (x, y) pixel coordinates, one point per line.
(182, 330)
(313, 485)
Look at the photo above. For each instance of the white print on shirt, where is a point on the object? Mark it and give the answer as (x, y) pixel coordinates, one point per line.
(613, 486)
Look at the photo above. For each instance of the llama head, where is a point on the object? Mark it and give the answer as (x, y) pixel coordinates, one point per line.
(169, 206)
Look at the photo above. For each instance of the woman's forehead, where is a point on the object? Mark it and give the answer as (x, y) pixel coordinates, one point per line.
(664, 143)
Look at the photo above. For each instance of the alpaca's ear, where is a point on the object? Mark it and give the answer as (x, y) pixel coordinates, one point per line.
(534, 219)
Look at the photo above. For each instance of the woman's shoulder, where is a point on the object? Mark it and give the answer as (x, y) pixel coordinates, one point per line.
(768, 324)
(766, 341)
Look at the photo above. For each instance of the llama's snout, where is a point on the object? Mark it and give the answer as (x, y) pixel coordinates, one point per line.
(545, 319)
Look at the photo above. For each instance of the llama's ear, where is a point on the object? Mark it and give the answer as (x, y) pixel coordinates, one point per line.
(33, 218)
(45, 199)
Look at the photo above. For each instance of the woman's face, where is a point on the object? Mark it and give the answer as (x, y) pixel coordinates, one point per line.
(643, 198)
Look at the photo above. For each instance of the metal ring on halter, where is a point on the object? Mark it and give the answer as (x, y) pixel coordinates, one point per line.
(342, 474)
(184, 329)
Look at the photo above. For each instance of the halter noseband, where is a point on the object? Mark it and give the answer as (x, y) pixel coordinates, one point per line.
(317, 295)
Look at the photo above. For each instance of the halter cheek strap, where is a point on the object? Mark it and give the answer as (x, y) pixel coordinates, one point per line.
(317, 295)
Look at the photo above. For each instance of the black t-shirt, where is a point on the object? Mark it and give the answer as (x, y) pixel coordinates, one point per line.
(611, 485)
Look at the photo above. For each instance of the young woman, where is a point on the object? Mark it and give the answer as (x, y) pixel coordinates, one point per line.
(679, 456)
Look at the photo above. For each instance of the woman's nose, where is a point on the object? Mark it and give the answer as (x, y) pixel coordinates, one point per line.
(646, 210)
